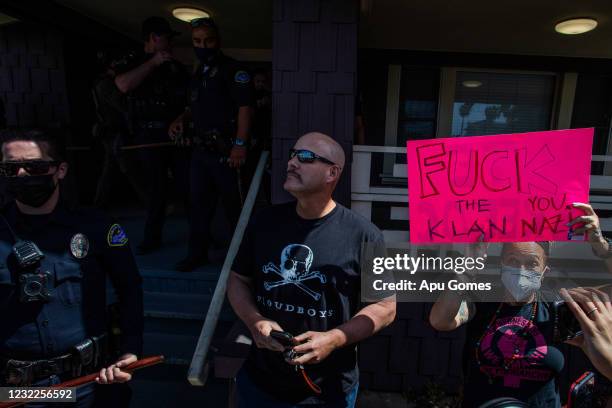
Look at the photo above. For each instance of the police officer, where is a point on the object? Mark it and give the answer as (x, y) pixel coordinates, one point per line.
(54, 261)
(221, 99)
(112, 130)
(156, 95)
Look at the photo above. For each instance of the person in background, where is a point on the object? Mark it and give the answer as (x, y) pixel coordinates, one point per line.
(155, 90)
(112, 130)
(221, 110)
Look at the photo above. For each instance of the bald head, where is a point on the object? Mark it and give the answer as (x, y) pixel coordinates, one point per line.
(323, 145)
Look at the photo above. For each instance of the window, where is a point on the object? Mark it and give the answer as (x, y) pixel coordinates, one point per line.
(488, 103)
(418, 105)
(592, 108)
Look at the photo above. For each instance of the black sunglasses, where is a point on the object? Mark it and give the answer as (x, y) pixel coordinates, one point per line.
(32, 167)
(306, 156)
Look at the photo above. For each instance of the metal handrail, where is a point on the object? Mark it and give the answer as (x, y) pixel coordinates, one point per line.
(198, 372)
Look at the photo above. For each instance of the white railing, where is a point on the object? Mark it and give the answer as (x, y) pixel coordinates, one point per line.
(363, 194)
(198, 370)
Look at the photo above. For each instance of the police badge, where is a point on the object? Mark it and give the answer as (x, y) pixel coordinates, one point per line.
(79, 246)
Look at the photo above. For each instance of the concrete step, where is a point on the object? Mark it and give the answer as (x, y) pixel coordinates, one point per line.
(181, 306)
(173, 322)
(165, 385)
(176, 339)
(197, 282)
(176, 305)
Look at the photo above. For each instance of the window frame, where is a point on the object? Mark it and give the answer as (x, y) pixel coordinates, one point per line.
(564, 91)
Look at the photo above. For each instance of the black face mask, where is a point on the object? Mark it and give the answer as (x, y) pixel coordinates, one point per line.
(31, 190)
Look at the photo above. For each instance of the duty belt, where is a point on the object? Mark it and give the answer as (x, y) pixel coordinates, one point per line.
(213, 141)
(87, 355)
(151, 124)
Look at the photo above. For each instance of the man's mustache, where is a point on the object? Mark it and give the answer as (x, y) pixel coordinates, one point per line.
(294, 173)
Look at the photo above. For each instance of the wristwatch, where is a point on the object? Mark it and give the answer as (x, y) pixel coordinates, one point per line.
(239, 142)
(608, 253)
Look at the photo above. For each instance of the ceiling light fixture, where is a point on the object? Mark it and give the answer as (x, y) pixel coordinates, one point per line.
(472, 83)
(576, 26)
(187, 13)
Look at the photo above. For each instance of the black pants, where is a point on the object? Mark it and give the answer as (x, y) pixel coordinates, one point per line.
(211, 178)
(157, 163)
(118, 162)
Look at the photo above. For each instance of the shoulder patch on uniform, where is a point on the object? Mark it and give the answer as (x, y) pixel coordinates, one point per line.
(242, 77)
(79, 246)
(116, 236)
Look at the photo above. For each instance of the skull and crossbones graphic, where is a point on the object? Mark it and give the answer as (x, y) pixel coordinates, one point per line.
(296, 260)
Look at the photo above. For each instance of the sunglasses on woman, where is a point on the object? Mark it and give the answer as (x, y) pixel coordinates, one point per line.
(32, 167)
(306, 156)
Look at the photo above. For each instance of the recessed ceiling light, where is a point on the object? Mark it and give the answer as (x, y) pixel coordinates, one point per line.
(187, 13)
(576, 26)
(472, 83)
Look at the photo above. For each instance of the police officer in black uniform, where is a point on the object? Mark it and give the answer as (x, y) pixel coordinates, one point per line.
(54, 261)
(156, 95)
(112, 130)
(221, 109)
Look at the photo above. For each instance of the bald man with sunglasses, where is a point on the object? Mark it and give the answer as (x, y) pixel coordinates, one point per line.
(296, 286)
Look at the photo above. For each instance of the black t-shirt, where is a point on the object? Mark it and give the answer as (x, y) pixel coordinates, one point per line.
(306, 276)
(513, 356)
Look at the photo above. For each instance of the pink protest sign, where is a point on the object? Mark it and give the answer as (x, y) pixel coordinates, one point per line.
(515, 187)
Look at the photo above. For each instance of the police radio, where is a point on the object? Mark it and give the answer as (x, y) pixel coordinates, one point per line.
(33, 287)
(27, 254)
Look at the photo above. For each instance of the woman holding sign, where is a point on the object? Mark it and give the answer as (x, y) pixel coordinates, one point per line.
(510, 346)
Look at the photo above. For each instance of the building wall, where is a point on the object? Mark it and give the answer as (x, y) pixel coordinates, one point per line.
(47, 66)
(32, 76)
(410, 354)
(314, 69)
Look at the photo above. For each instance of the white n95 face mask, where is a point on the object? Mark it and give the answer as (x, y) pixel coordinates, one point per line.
(521, 283)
